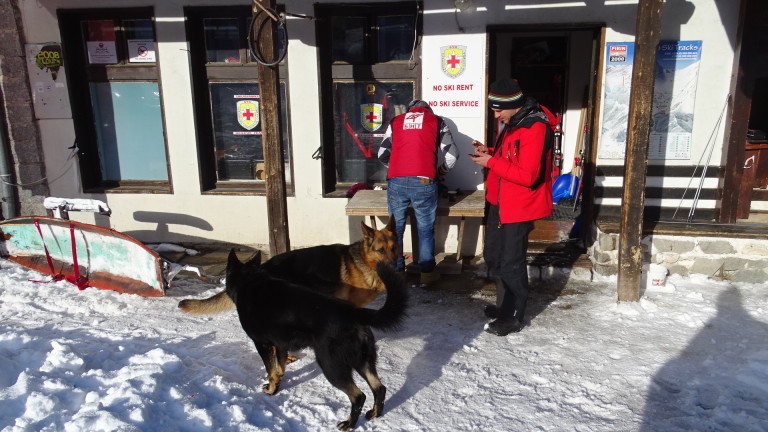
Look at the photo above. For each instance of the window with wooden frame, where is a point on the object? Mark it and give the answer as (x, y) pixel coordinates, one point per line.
(227, 103)
(370, 71)
(116, 99)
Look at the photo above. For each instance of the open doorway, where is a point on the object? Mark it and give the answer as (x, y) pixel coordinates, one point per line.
(559, 68)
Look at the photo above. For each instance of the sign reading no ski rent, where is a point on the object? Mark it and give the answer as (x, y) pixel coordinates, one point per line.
(453, 77)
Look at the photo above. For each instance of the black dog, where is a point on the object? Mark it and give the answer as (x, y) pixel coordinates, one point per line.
(280, 316)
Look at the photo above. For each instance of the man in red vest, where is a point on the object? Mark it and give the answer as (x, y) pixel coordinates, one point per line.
(417, 149)
(518, 191)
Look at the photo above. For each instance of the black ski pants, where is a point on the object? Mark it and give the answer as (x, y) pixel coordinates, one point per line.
(505, 250)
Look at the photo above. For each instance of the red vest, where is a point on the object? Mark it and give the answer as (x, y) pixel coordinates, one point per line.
(414, 144)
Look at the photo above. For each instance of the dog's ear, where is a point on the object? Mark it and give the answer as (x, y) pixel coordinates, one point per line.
(368, 232)
(233, 262)
(391, 224)
(255, 259)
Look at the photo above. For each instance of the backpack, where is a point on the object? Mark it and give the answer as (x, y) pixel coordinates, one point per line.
(545, 159)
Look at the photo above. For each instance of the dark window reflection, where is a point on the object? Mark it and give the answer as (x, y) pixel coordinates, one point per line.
(139, 29)
(396, 36)
(363, 111)
(349, 39)
(236, 115)
(222, 40)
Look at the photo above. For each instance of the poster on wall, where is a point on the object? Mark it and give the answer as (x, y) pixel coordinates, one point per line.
(101, 52)
(674, 93)
(48, 81)
(677, 65)
(618, 80)
(100, 42)
(453, 76)
(141, 51)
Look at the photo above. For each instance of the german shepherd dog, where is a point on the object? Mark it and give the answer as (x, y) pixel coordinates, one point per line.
(347, 272)
(279, 315)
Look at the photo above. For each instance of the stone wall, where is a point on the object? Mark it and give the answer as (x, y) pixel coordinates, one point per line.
(18, 116)
(738, 260)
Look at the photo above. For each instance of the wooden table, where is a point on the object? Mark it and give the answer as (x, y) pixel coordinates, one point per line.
(373, 203)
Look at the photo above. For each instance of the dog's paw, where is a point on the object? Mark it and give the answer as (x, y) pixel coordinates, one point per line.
(375, 412)
(291, 358)
(270, 389)
(345, 425)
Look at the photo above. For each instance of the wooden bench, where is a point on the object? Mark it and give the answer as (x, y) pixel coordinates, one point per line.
(373, 203)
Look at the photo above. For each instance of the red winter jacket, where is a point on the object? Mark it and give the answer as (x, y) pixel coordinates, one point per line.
(515, 180)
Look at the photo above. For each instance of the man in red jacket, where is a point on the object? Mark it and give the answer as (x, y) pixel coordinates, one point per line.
(518, 191)
(417, 149)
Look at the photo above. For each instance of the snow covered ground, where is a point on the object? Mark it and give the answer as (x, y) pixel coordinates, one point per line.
(692, 357)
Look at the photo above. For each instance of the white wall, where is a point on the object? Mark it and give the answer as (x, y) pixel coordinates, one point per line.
(313, 219)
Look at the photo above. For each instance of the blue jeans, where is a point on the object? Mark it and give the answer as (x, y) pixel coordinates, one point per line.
(402, 191)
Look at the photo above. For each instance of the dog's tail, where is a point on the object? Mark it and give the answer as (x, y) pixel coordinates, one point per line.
(224, 300)
(392, 314)
(221, 302)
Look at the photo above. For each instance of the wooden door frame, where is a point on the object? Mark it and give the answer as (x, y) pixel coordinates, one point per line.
(738, 115)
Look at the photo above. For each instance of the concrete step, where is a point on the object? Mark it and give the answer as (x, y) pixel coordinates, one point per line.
(558, 254)
(561, 255)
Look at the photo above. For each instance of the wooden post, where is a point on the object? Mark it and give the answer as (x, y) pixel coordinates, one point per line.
(647, 33)
(738, 114)
(271, 132)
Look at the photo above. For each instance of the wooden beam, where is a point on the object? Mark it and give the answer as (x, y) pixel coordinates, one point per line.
(647, 34)
(738, 115)
(271, 131)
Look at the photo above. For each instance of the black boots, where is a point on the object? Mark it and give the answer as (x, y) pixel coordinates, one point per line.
(491, 311)
(504, 327)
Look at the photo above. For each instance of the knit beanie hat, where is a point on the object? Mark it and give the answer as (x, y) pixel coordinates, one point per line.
(506, 94)
(418, 103)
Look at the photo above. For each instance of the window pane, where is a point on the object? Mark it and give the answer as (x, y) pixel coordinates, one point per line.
(129, 130)
(362, 111)
(140, 41)
(139, 29)
(396, 36)
(100, 41)
(349, 41)
(222, 40)
(237, 130)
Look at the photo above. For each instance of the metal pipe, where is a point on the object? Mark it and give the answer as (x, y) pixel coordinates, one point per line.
(9, 209)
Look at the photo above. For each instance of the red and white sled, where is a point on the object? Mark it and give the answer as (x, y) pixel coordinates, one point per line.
(85, 255)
